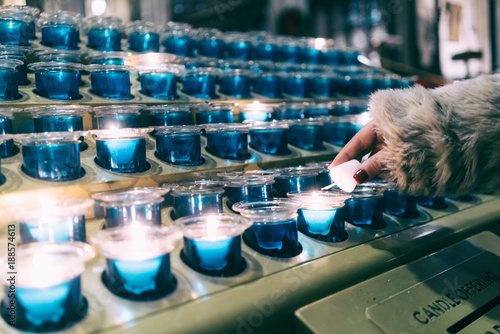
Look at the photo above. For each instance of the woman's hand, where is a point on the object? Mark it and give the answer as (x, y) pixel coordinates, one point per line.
(367, 140)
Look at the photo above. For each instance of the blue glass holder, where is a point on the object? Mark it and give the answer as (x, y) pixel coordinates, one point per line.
(42, 156)
(320, 216)
(238, 47)
(212, 243)
(53, 221)
(437, 203)
(318, 109)
(14, 27)
(213, 113)
(110, 81)
(7, 147)
(63, 56)
(46, 303)
(255, 112)
(365, 208)
(160, 82)
(179, 145)
(104, 33)
(123, 207)
(290, 110)
(211, 46)
(290, 51)
(122, 150)
(200, 83)
(228, 141)
(236, 83)
(168, 115)
(138, 260)
(57, 80)
(274, 231)
(298, 84)
(249, 189)
(337, 130)
(17, 53)
(9, 88)
(143, 36)
(325, 85)
(296, 179)
(306, 134)
(267, 50)
(269, 137)
(179, 42)
(324, 178)
(60, 30)
(118, 116)
(400, 205)
(349, 107)
(196, 198)
(365, 84)
(268, 85)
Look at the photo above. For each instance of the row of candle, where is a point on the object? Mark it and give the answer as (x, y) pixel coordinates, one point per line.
(137, 248)
(61, 30)
(61, 81)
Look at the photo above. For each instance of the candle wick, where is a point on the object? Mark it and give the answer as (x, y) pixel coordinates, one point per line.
(328, 186)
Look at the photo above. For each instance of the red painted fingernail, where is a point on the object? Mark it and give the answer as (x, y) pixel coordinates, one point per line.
(360, 176)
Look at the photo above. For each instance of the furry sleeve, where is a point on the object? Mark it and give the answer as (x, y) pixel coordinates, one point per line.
(444, 141)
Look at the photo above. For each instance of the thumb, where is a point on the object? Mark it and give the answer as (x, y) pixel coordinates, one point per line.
(371, 167)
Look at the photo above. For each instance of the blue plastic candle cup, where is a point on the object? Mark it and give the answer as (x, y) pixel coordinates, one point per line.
(31, 12)
(228, 141)
(118, 116)
(437, 203)
(236, 83)
(365, 208)
(400, 205)
(209, 43)
(60, 30)
(237, 46)
(63, 56)
(169, 115)
(268, 85)
(160, 81)
(248, 185)
(349, 107)
(212, 243)
(388, 81)
(143, 36)
(337, 130)
(198, 62)
(138, 260)
(57, 80)
(306, 134)
(18, 53)
(179, 42)
(200, 82)
(24, 13)
(213, 113)
(298, 84)
(323, 178)
(407, 82)
(42, 154)
(320, 216)
(290, 110)
(53, 220)
(109, 57)
(255, 112)
(48, 300)
(59, 119)
(104, 33)
(365, 84)
(296, 179)
(325, 84)
(110, 81)
(7, 147)
(9, 89)
(179, 145)
(123, 207)
(197, 198)
(121, 150)
(267, 49)
(290, 50)
(274, 231)
(14, 27)
(269, 137)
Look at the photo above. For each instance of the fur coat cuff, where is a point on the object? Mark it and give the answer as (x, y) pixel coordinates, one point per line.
(444, 141)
